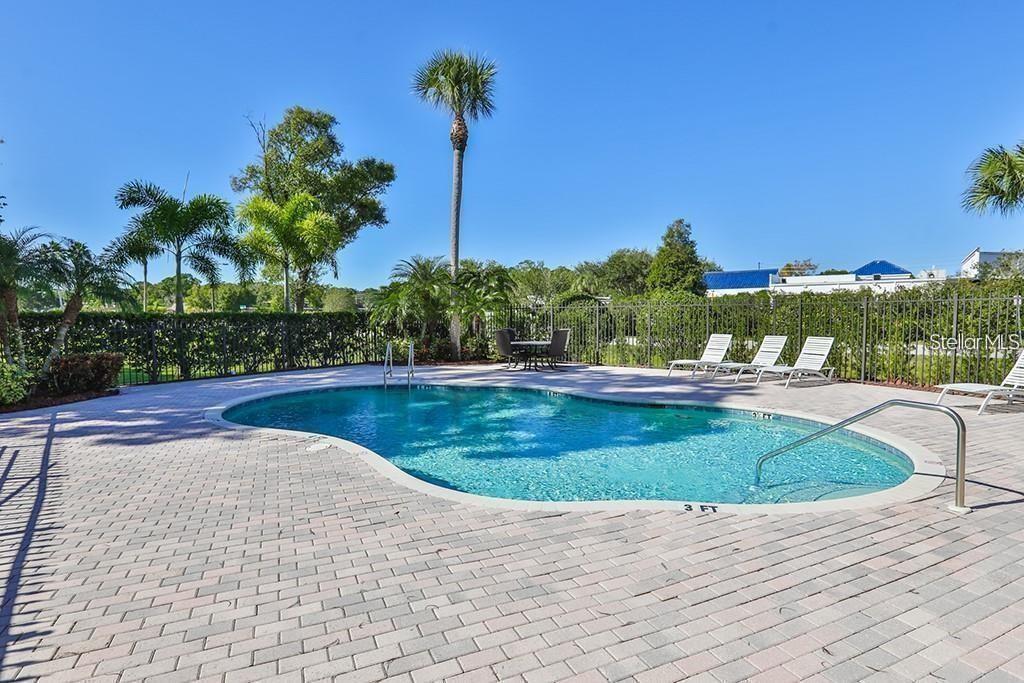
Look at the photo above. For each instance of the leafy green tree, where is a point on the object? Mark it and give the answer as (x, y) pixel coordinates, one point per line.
(537, 283)
(71, 267)
(625, 271)
(996, 181)
(463, 86)
(676, 265)
(20, 264)
(586, 279)
(798, 268)
(297, 234)
(709, 265)
(303, 155)
(835, 271)
(338, 299)
(195, 232)
(1008, 266)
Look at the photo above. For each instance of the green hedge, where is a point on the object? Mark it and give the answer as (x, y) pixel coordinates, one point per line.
(159, 348)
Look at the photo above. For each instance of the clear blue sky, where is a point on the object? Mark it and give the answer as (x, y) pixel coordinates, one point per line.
(833, 131)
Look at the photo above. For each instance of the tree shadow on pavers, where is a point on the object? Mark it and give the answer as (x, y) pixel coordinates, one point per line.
(29, 493)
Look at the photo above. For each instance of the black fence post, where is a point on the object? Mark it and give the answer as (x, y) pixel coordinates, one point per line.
(154, 367)
(864, 342)
(956, 337)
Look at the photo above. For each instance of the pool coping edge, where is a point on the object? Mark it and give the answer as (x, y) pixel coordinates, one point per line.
(928, 469)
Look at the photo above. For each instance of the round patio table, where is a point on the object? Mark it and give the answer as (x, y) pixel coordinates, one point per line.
(533, 351)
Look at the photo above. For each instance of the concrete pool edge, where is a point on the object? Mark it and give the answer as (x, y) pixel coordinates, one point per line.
(928, 470)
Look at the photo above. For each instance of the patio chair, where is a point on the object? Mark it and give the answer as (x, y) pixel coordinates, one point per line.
(767, 355)
(810, 363)
(557, 348)
(714, 353)
(503, 342)
(1012, 387)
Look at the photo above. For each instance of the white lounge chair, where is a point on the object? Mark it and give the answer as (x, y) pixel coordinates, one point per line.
(714, 353)
(810, 363)
(1012, 387)
(767, 354)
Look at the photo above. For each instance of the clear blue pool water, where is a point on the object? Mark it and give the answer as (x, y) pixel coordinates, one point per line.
(534, 445)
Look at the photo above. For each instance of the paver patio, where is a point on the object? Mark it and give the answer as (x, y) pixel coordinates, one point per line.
(140, 541)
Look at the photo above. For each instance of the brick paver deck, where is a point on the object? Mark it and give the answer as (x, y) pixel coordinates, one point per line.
(140, 541)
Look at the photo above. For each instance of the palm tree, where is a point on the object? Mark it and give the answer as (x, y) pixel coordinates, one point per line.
(138, 245)
(195, 232)
(997, 181)
(19, 263)
(419, 294)
(463, 86)
(295, 235)
(481, 290)
(70, 266)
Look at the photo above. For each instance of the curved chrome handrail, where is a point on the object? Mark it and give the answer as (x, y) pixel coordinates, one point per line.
(961, 442)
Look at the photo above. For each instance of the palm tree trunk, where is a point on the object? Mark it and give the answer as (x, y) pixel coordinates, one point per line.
(71, 311)
(14, 339)
(145, 285)
(459, 148)
(287, 286)
(179, 296)
(302, 279)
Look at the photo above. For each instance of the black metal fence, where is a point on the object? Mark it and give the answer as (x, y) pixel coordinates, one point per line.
(910, 340)
(162, 348)
(907, 339)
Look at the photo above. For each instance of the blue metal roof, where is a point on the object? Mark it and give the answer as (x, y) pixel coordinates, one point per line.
(739, 279)
(880, 268)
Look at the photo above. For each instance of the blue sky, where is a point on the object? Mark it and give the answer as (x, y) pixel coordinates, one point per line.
(838, 132)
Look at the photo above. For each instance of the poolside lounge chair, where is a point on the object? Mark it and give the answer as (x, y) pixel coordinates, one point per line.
(714, 353)
(1012, 387)
(767, 355)
(810, 363)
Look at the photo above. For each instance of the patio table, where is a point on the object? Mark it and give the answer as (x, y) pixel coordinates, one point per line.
(533, 349)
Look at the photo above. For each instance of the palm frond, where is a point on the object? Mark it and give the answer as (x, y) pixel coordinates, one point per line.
(462, 84)
(996, 181)
(140, 194)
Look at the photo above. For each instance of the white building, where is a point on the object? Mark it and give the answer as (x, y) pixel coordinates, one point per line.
(877, 276)
(972, 263)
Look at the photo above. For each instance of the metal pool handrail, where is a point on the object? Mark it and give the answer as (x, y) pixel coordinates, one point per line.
(389, 364)
(961, 442)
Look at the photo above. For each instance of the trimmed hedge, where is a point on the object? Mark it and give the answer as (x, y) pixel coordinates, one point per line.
(159, 348)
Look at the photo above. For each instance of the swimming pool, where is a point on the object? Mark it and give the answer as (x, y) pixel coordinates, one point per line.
(545, 446)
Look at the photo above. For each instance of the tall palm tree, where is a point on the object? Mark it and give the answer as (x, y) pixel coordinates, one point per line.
(997, 181)
(71, 267)
(463, 86)
(19, 263)
(138, 245)
(195, 232)
(296, 235)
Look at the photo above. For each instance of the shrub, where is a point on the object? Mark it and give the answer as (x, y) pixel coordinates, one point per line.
(14, 384)
(81, 372)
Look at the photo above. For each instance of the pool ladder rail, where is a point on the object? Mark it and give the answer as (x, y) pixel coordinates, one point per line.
(389, 365)
(961, 442)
